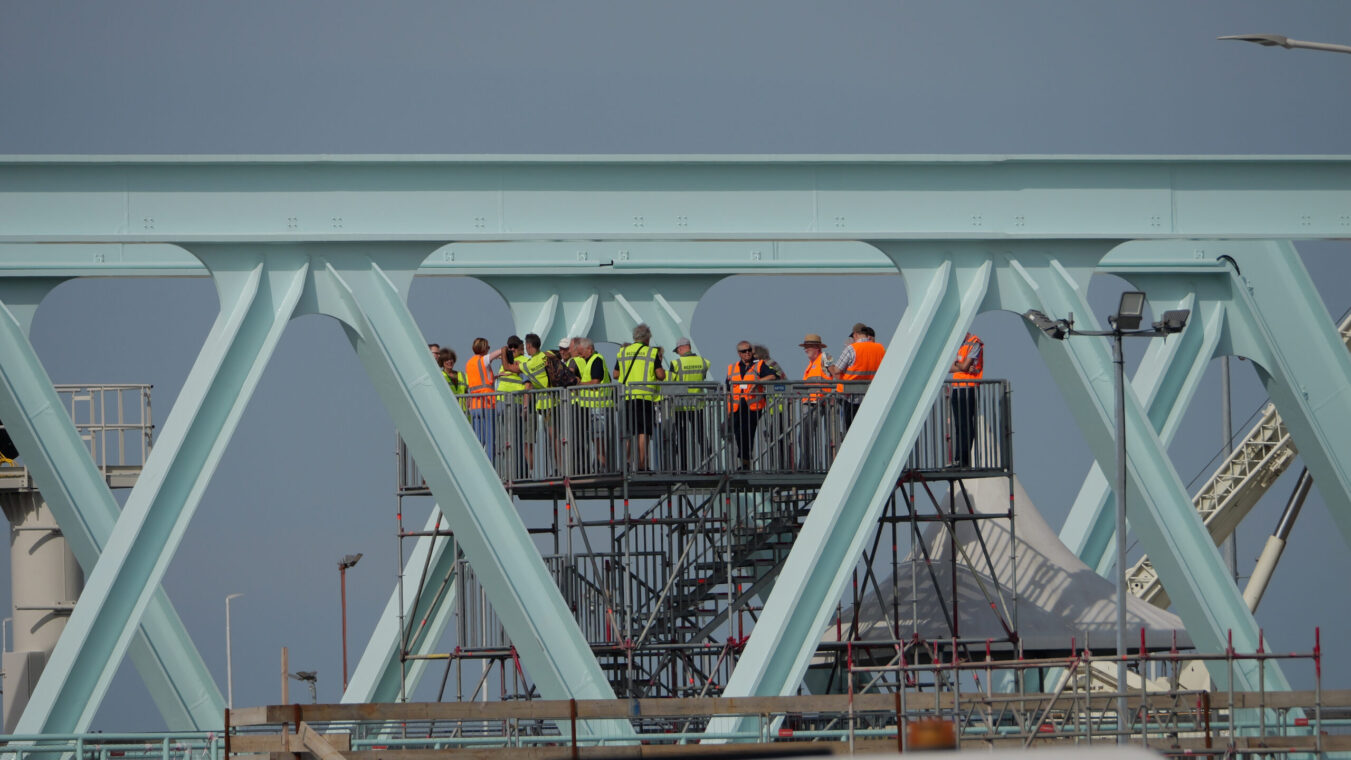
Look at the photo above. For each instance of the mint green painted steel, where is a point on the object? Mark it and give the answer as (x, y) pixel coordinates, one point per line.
(946, 287)
(258, 295)
(365, 287)
(183, 199)
(1279, 322)
(1159, 509)
(1165, 383)
(377, 677)
(604, 306)
(173, 670)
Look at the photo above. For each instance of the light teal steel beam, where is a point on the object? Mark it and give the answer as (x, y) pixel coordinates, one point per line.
(550, 259)
(365, 288)
(946, 288)
(173, 670)
(604, 308)
(377, 676)
(1158, 507)
(258, 295)
(1165, 383)
(184, 199)
(1279, 321)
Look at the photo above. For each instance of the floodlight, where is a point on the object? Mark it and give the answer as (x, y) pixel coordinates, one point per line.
(306, 675)
(1172, 321)
(349, 560)
(1056, 329)
(1130, 311)
(1266, 40)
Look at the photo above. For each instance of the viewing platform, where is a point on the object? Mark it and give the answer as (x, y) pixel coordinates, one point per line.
(547, 443)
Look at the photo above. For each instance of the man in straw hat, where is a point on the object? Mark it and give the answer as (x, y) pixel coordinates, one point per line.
(816, 444)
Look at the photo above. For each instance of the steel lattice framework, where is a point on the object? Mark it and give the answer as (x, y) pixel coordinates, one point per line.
(597, 244)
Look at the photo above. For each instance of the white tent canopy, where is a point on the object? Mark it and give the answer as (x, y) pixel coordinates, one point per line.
(1060, 600)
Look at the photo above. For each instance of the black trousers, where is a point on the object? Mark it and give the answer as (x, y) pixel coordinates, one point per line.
(744, 421)
(963, 403)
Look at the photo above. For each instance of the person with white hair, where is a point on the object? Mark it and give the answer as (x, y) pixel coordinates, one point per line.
(638, 368)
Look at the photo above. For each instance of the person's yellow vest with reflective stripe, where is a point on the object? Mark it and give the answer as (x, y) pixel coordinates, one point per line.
(637, 371)
(459, 386)
(508, 382)
(690, 368)
(537, 377)
(590, 395)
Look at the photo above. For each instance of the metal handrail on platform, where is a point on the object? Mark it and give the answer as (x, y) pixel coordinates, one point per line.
(115, 422)
(779, 430)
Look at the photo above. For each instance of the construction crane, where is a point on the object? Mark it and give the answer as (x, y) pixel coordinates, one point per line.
(1233, 490)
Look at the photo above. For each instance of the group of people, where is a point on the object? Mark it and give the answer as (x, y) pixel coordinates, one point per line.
(824, 408)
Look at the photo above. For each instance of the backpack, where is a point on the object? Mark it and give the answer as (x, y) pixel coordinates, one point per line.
(560, 375)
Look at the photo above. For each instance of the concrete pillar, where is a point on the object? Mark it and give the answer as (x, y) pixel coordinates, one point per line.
(45, 581)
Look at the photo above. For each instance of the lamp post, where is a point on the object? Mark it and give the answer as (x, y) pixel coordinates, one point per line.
(1276, 40)
(229, 664)
(311, 679)
(348, 561)
(1125, 324)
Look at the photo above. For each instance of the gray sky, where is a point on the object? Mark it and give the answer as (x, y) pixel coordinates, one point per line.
(309, 475)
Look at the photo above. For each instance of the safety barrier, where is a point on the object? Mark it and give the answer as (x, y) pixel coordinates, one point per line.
(114, 421)
(708, 429)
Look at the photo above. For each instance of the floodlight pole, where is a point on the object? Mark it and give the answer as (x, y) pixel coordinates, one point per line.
(348, 561)
(229, 662)
(1124, 323)
(1118, 359)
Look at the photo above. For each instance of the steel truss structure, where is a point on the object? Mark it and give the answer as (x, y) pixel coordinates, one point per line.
(624, 239)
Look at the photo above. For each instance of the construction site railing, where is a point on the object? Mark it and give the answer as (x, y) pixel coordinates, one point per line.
(771, 429)
(114, 421)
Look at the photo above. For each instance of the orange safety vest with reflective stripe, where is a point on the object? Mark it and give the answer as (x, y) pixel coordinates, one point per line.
(971, 343)
(480, 378)
(867, 358)
(745, 387)
(816, 370)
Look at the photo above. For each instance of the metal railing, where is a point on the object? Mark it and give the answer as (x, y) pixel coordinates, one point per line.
(113, 420)
(708, 429)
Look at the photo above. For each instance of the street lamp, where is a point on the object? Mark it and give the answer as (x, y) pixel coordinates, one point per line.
(348, 561)
(229, 664)
(309, 678)
(1125, 324)
(1276, 40)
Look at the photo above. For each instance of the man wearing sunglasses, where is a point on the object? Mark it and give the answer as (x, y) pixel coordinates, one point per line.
(745, 399)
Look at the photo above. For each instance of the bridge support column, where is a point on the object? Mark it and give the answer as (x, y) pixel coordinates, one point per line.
(84, 508)
(366, 289)
(46, 581)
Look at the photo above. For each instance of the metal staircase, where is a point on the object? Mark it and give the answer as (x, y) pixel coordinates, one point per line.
(1235, 487)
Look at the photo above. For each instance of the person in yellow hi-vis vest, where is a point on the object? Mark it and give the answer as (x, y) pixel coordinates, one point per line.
(454, 378)
(511, 410)
(638, 368)
(592, 406)
(691, 408)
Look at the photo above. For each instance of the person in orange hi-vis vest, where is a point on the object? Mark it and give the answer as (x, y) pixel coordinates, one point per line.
(859, 362)
(478, 374)
(970, 365)
(745, 400)
(815, 443)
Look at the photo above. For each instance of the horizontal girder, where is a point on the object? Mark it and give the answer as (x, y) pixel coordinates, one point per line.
(262, 198)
